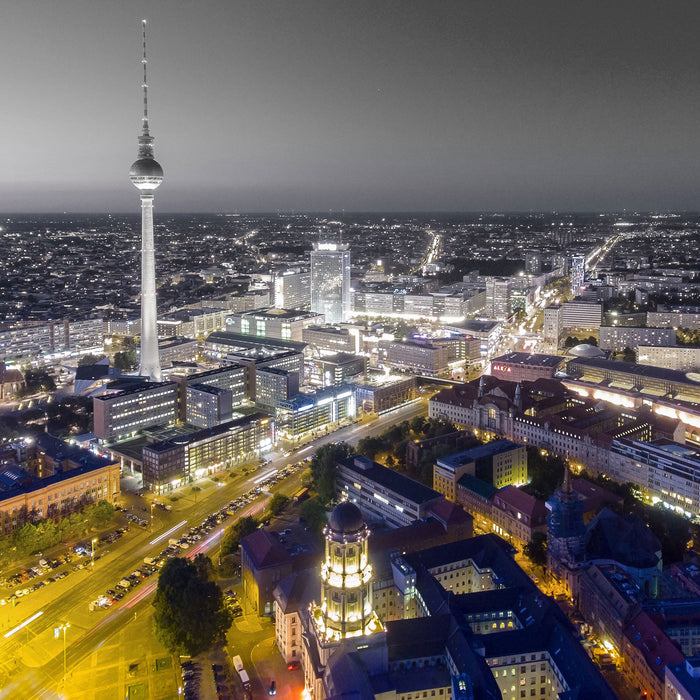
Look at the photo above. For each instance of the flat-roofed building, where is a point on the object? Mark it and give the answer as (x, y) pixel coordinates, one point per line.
(332, 370)
(581, 314)
(498, 463)
(273, 385)
(192, 323)
(253, 354)
(173, 462)
(123, 413)
(177, 350)
(330, 281)
(682, 318)
(280, 324)
(232, 378)
(78, 478)
(377, 393)
(207, 405)
(523, 366)
(331, 338)
(663, 470)
(677, 357)
(552, 324)
(498, 293)
(618, 338)
(419, 357)
(668, 392)
(382, 493)
(300, 415)
(488, 332)
(292, 289)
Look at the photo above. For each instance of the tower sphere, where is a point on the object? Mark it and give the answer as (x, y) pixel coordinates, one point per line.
(146, 174)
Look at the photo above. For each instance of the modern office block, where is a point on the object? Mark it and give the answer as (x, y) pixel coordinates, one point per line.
(330, 281)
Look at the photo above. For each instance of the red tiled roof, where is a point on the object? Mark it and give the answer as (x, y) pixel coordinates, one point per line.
(658, 650)
(264, 549)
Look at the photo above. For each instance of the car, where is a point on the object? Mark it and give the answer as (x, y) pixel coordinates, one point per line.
(272, 689)
(292, 666)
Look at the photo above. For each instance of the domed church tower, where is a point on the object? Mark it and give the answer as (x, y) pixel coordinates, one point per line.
(346, 591)
(344, 621)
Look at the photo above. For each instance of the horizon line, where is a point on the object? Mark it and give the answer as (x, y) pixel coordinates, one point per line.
(353, 212)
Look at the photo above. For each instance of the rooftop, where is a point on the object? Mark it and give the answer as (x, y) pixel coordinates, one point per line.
(471, 455)
(391, 480)
(524, 358)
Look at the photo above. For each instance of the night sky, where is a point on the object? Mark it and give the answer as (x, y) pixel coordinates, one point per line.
(363, 106)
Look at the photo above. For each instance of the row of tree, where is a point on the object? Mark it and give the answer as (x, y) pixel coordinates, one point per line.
(36, 537)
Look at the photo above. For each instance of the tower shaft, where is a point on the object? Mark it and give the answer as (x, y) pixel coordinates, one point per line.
(150, 360)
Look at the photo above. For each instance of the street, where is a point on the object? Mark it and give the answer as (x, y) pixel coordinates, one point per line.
(32, 658)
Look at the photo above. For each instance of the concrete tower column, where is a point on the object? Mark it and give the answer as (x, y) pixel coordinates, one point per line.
(150, 360)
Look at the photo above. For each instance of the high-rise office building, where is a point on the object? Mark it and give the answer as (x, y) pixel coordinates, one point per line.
(578, 272)
(292, 290)
(498, 291)
(533, 262)
(146, 175)
(330, 281)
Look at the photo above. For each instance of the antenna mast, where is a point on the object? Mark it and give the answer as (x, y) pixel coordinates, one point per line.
(145, 140)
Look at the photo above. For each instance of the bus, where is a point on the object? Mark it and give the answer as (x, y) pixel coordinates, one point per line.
(301, 495)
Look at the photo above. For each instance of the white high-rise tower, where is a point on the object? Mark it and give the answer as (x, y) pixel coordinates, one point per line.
(146, 174)
(330, 281)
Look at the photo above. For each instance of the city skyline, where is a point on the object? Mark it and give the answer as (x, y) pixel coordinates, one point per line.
(317, 107)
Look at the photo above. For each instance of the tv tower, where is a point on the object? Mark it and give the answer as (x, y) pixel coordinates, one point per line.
(146, 174)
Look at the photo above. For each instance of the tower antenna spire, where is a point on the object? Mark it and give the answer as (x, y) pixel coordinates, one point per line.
(145, 140)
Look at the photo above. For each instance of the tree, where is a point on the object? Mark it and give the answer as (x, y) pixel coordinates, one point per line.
(37, 380)
(628, 355)
(314, 514)
(546, 472)
(323, 468)
(418, 425)
(190, 613)
(277, 503)
(536, 549)
(205, 569)
(90, 359)
(234, 534)
(370, 446)
(125, 360)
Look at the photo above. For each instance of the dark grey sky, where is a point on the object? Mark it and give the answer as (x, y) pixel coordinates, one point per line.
(377, 105)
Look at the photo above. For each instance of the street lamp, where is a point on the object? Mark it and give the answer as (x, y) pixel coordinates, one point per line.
(92, 554)
(64, 627)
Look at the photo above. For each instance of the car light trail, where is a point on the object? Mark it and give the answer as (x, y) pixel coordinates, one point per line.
(137, 597)
(272, 472)
(169, 532)
(23, 624)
